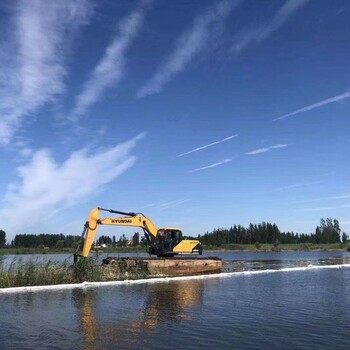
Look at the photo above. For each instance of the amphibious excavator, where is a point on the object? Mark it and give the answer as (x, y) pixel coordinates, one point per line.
(172, 250)
(163, 242)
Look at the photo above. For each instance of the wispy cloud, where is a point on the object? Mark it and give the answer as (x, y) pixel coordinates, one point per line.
(209, 145)
(338, 197)
(319, 104)
(212, 165)
(316, 209)
(111, 68)
(263, 150)
(167, 204)
(35, 74)
(190, 44)
(256, 34)
(46, 186)
(302, 184)
(174, 203)
(343, 196)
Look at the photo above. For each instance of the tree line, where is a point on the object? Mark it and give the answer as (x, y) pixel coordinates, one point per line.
(122, 242)
(45, 240)
(327, 232)
(62, 241)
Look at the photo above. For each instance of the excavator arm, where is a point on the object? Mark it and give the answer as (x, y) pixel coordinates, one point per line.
(130, 219)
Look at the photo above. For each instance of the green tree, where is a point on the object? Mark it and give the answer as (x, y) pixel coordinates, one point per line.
(104, 240)
(2, 238)
(136, 239)
(328, 231)
(60, 244)
(122, 241)
(344, 238)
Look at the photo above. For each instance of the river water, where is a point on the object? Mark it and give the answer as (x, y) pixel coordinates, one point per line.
(280, 301)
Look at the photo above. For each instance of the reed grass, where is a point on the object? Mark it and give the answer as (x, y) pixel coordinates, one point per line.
(33, 273)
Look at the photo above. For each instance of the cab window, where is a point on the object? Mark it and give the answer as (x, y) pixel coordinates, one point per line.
(173, 236)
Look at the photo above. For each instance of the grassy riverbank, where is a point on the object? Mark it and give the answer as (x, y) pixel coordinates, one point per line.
(33, 274)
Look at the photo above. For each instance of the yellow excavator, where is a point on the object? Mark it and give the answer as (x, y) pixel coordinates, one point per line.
(163, 242)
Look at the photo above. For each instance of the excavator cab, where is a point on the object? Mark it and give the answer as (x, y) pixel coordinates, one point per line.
(172, 237)
(167, 239)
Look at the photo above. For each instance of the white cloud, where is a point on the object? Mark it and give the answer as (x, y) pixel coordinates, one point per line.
(34, 76)
(46, 186)
(260, 33)
(190, 44)
(212, 165)
(263, 150)
(209, 145)
(319, 104)
(110, 70)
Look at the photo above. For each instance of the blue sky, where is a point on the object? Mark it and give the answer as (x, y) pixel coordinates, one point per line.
(199, 114)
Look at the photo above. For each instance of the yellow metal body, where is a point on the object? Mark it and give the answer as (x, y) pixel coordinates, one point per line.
(94, 220)
(185, 246)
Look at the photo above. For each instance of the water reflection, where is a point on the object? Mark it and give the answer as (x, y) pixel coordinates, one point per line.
(149, 308)
(88, 321)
